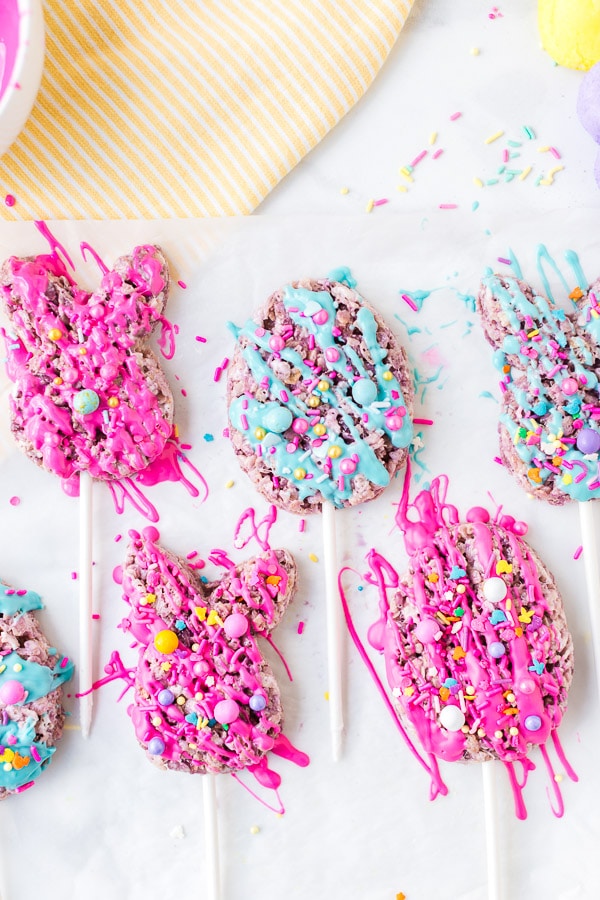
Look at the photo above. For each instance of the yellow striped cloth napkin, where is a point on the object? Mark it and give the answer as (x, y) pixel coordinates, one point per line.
(178, 108)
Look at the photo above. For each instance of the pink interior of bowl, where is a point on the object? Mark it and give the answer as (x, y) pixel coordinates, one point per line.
(9, 40)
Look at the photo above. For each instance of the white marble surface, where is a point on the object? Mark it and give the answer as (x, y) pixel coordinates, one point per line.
(431, 74)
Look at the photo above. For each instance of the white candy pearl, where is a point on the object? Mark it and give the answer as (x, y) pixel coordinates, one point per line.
(494, 589)
(452, 718)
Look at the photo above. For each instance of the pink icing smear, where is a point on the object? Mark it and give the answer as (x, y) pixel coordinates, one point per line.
(473, 652)
(9, 41)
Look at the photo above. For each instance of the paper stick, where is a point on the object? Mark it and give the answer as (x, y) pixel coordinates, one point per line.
(212, 878)
(491, 830)
(334, 631)
(85, 602)
(592, 576)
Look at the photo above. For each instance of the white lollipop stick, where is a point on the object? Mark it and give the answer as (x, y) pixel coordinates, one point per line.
(592, 576)
(334, 632)
(211, 838)
(85, 602)
(491, 830)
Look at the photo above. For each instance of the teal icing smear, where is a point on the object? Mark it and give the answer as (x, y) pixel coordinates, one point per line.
(22, 758)
(281, 428)
(554, 415)
(12, 602)
(37, 680)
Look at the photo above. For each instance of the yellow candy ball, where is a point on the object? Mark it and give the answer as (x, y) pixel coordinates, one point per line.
(323, 385)
(313, 401)
(299, 474)
(55, 334)
(319, 429)
(166, 641)
(334, 452)
(259, 433)
(387, 376)
(113, 402)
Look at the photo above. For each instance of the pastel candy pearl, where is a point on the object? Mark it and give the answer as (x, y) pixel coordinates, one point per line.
(156, 746)
(11, 692)
(166, 697)
(332, 354)
(321, 317)
(300, 426)
(364, 391)
(257, 702)
(277, 419)
(494, 589)
(276, 343)
(86, 402)
(226, 711)
(426, 630)
(533, 723)
(347, 466)
(235, 625)
(527, 685)
(394, 423)
(569, 386)
(588, 440)
(452, 718)
(497, 649)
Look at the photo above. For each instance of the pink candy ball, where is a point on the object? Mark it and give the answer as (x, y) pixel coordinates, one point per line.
(276, 343)
(11, 692)
(300, 426)
(332, 355)
(347, 466)
(320, 317)
(226, 711)
(235, 625)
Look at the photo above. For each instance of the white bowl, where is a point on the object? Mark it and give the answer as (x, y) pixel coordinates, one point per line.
(20, 92)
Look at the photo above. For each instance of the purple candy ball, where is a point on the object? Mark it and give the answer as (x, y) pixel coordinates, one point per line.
(588, 440)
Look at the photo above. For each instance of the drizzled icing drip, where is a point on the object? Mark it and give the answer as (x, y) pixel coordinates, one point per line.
(289, 427)
(476, 650)
(549, 364)
(205, 700)
(25, 683)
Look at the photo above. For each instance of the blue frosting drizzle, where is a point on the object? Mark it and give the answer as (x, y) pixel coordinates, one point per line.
(12, 602)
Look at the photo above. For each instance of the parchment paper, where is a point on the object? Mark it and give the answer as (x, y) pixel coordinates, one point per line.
(102, 821)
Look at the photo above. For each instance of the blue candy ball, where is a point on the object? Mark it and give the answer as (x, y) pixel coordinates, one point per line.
(166, 697)
(497, 649)
(364, 391)
(86, 402)
(277, 418)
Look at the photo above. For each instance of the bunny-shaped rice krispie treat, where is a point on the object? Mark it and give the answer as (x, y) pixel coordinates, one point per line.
(550, 418)
(205, 700)
(89, 395)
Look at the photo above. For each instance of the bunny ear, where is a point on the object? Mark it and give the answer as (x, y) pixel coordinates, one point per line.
(159, 588)
(508, 306)
(260, 589)
(142, 281)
